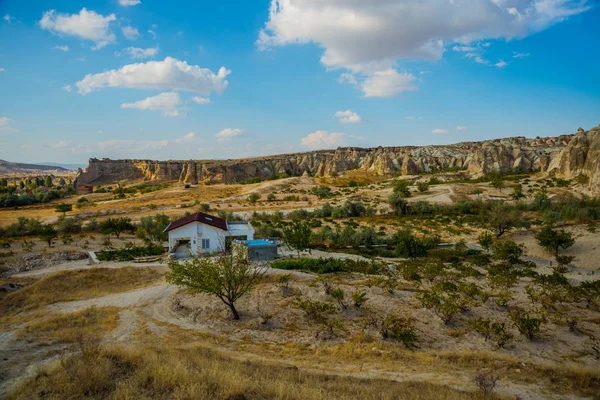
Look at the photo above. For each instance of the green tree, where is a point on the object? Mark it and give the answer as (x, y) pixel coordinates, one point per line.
(322, 192)
(271, 197)
(423, 187)
(485, 240)
(253, 198)
(3, 182)
(507, 251)
(517, 193)
(553, 240)
(408, 245)
(297, 236)
(63, 208)
(398, 203)
(116, 226)
(496, 180)
(502, 218)
(48, 181)
(402, 188)
(47, 233)
(227, 277)
(155, 227)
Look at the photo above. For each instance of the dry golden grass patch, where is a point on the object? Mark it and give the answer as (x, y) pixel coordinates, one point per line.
(199, 373)
(75, 285)
(89, 324)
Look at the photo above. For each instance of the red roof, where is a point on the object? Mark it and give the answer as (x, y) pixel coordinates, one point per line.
(198, 217)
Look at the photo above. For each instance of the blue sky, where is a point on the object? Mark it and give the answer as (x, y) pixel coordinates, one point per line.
(201, 80)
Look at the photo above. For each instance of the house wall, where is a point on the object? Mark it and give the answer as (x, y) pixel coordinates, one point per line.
(195, 232)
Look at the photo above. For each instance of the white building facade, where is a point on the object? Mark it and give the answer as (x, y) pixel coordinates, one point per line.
(205, 234)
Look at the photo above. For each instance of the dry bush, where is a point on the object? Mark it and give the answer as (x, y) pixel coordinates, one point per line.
(89, 324)
(195, 373)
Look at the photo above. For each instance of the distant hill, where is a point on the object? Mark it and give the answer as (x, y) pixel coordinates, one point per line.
(72, 167)
(7, 168)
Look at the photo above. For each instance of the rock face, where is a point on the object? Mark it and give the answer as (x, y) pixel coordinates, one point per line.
(580, 157)
(474, 157)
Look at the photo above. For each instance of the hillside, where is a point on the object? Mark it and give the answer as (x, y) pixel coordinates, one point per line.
(10, 168)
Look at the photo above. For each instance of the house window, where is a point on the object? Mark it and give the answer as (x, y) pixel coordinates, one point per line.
(205, 244)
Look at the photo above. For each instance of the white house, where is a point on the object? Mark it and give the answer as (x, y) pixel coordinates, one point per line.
(204, 234)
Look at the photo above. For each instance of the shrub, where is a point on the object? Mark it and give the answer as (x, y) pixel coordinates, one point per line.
(408, 245)
(337, 295)
(322, 192)
(399, 328)
(482, 326)
(507, 251)
(328, 265)
(501, 335)
(402, 188)
(253, 198)
(204, 207)
(528, 326)
(317, 311)
(423, 187)
(130, 253)
(487, 384)
(359, 297)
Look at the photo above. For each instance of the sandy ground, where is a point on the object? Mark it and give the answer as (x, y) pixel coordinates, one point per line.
(586, 249)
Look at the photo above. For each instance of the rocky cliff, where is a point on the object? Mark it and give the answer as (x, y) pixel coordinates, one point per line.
(475, 157)
(580, 158)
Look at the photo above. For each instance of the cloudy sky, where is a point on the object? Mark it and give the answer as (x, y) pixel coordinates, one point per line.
(228, 79)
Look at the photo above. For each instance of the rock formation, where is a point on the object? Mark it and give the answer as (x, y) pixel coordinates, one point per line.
(581, 157)
(564, 155)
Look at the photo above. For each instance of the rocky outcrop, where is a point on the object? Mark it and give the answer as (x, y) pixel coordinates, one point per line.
(474, 157)
(581, 157)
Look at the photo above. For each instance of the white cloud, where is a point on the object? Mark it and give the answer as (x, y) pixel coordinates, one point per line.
(200, 100)
(501, 64)
(61, 48)
(425, 72)
(150, 31)
(461, 128)
(440, 131)
(366, 37)
(347, 78)
(323, 139)
(86, 25)
(348, 117)
(130, 32)
(139, 53)
(409, 118)
(520, 55)
(1, 69)
(5, 124)
(8, 18)
(387, 83)
(186, 139)
(62, 145)
(67, 88)
(129, 3)
(80, 59)
(464, 48)
(165, 102)
(168, 74)
(228, 134)
(477, 58)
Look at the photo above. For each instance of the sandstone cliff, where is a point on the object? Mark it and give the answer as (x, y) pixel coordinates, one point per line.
(475, 157)
(580, 157)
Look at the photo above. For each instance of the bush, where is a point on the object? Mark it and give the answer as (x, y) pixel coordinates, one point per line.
(528, 326)
(317, 311)
(322, 192)
(399, 328)
(423, 187)
(408, 245)
(327, 265)
(359, 297)
(129, 254)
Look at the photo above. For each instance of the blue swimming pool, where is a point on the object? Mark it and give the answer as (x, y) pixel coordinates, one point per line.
(260, 243)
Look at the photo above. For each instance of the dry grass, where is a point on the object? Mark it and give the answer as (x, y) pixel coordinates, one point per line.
(75, 285)
(89, 324)
(197, 373)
